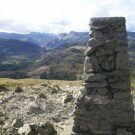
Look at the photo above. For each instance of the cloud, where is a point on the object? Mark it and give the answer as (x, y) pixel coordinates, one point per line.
(9, 25)
(25, 16)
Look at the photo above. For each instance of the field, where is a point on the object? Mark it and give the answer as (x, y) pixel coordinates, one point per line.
(37, 82)
(31, 82)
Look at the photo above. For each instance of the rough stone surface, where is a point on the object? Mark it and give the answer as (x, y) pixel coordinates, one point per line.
(25, 130)
(17, 123)
(46, 129)
(105, 106)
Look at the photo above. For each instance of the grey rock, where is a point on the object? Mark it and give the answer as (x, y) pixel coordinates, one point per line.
(95, 84)
(91, 65)
(102, 91)
(120, 49)
(46, 129)
(33, 107)
(97, 35)
(18, 89)
(17, 123)
(3, 88)
(25, 130)
(100, 52)
(120, 85)
(42, 95)
(94, 42)
(119, 35)
(121, 105)
(121, 95)
(105, 103)
(90, 50)
(104, 52)
(122, 131)
(122, 61)
(118, 73)
(68, 98)
(104, 22)
(99, 77)
(2, 121)
(107, 64)
(121, 42)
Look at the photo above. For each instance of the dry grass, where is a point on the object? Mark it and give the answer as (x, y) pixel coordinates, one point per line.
(31, 82)
(37, 82)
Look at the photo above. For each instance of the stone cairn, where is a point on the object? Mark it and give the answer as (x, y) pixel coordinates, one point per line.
(105, 105)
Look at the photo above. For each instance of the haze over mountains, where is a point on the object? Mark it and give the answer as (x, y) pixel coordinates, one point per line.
(47, 55)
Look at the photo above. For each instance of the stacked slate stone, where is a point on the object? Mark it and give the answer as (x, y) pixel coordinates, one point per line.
(105, 105)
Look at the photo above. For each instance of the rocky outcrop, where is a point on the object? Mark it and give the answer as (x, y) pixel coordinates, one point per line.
(105, 106)
(45, 128)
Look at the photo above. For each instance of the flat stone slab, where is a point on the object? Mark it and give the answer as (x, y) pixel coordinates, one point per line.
(105, 22)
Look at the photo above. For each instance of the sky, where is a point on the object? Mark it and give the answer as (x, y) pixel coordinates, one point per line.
(59, 16)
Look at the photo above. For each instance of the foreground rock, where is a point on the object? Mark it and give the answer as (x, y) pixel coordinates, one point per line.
(29, 111)
(41, 129)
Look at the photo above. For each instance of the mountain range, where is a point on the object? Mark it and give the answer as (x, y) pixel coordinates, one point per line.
(47, 55)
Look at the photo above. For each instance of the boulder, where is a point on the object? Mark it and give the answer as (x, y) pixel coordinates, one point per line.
(46, 129)
(18, 89)
(17, 123)
(25, 130)
(42, 95)
(67, 98)
(91, 65)
(33, 107)
(91, 77)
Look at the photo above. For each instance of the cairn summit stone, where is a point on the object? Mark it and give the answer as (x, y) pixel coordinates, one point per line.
(105, 105)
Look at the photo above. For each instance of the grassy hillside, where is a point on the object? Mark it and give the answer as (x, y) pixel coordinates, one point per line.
(65, 62)
(32, 82)
(16, 56)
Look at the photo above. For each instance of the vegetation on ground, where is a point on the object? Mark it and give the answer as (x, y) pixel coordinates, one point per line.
(31, 82)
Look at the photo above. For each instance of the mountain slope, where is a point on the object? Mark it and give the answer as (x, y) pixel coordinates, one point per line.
(34, 37)
(16, 55)
(69, 58)
(17, 47)
(67, 39)
(64, 60)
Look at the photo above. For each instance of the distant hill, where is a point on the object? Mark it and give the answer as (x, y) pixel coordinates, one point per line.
(67, 39)
(34, 37)
(17, 55)
(131, 35)
(10, 47)
(48, 40)
(63, 58)
(51, 41)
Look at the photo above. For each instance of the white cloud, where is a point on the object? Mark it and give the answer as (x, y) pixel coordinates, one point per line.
(60, 15)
